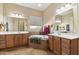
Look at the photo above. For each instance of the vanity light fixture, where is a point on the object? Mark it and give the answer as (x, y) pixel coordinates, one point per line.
(66, 6)
(16, 15)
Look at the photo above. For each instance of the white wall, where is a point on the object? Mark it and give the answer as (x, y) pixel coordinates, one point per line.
(1, 13)
(78, 16)
(75, 12)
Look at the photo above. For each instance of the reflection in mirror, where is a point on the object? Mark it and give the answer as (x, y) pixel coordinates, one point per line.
(15, 24)
(65, 21)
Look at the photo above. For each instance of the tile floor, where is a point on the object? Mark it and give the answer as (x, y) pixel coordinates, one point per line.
(24, 51)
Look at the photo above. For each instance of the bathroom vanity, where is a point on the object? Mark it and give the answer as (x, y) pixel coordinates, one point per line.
(13, 39)
(64, 44)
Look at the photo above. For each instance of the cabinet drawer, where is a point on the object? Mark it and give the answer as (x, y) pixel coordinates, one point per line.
(2, 37)
(2, 42)
(2, 46)
(65, 51)
(10, 44)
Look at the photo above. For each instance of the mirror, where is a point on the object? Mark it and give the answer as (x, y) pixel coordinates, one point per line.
(15, 24)
(64, 21)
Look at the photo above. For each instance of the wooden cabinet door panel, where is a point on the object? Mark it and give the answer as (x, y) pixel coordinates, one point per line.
(20, 40)
(9, 41)
(2, 37)
(65, 43)
(65, 51)
(78, 47)
(74, 46)
(57, 46)
(50, 41)
(2, 46)
(24, 41)
(16, 40)
(2, 41)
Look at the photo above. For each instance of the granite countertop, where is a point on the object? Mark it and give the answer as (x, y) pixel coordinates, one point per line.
(16, 32)
(66, 35)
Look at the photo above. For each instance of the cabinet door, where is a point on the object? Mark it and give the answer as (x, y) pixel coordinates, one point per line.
(20, 40)
(74, 47)
(78, 47)
(24, 41)
(69, 46)
(50, 41)
(57, 45)
(2, 41)
(65, 51)
(16, 40)
(9, 41)
(65, 43)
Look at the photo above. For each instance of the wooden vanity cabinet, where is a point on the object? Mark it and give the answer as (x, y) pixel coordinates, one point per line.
(63, 46)
(2, 41)
(69, 47)
(20, 39)
(50, 42)
(57, 45)
(9, 40)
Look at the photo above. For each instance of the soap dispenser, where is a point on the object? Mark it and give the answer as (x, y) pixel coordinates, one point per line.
(6, 26)
(68, 27)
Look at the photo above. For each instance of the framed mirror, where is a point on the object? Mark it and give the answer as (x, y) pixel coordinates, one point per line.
(65, 21)
(16, 24)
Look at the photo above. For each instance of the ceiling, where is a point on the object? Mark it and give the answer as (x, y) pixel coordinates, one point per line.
(35, 5)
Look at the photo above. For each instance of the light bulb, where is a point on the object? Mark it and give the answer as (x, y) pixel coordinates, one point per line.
(62, 8)
(57, 10)
(39, 5)
(67, 5)
(12, 14)
(58, 21)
